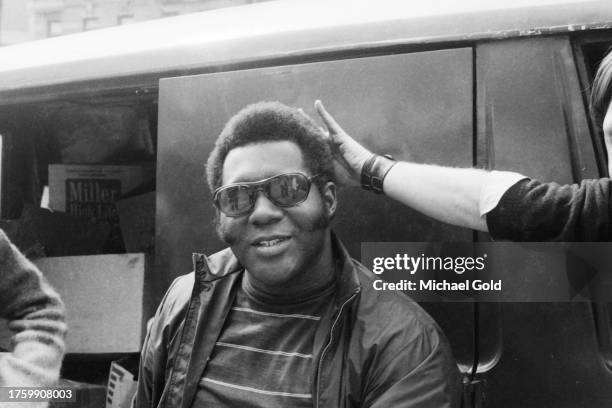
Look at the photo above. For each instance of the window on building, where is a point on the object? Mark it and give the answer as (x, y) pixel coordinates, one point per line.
(54, 28)
(169, 13)
(91, 23)
(123, 19)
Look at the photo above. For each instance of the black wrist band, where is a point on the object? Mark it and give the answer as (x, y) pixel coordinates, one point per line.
(366, 175)
(374, 171)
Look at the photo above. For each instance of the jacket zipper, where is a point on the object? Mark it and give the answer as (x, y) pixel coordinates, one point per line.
(331, 339)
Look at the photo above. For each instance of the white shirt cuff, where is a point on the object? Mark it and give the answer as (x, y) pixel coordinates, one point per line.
(496, 184)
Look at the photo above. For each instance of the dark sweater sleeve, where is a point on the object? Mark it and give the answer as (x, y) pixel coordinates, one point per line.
(535, 211)
(35, 314)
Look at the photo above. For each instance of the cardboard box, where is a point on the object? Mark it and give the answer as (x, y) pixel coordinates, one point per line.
(89, 190)
(104, 298)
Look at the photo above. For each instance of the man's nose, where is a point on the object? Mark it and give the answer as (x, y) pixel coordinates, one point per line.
(264, 210)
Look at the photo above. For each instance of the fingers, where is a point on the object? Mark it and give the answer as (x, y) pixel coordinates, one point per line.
(328, 119)
(302, 112)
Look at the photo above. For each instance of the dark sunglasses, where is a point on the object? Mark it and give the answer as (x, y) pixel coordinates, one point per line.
(284, 190)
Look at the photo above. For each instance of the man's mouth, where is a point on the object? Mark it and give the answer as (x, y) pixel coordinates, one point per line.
(271, 242)
(265, 243)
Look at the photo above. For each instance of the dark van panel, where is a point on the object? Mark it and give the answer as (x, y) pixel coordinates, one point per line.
(532, 119)
(390, 101)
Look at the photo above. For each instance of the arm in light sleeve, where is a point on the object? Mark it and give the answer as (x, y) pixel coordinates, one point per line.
(36, 318)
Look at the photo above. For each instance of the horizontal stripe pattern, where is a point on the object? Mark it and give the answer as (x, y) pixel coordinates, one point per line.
(294, 316)
(256, 350)
(263, 356)
(258, 391)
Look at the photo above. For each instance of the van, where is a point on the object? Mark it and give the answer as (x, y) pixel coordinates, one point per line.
(472, 83)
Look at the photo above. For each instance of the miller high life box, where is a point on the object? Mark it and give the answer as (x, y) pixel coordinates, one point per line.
(87, 190)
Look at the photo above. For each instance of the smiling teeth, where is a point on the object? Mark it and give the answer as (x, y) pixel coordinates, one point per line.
(271, 243)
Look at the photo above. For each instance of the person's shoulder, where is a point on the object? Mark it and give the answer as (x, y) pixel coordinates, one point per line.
(396, 333)
(178, 295)
(176, 299)
(181, 287)
(394, 311)
(170, 313)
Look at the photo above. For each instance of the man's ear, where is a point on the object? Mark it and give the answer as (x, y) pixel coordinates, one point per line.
(330, 198)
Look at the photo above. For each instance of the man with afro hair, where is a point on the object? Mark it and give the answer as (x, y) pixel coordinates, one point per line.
(284, 317)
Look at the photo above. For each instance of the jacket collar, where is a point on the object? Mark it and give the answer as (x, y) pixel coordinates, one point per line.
(347, 280)
(224, 263)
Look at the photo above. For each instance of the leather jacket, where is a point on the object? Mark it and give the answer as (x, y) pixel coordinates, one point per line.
(374, 348)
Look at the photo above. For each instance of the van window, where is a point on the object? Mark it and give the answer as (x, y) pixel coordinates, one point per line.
(589, 53)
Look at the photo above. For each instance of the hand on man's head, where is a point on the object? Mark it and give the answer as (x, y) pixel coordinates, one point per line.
(349, 155)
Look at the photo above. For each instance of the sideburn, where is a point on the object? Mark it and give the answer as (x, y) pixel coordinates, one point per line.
(222, 233)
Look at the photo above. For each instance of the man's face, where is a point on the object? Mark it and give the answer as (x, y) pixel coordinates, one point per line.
(278, 246)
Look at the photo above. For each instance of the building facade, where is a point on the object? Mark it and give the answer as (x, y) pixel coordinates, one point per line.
(37, 19)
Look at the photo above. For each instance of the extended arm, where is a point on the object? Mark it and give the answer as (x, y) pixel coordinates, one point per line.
(535, 211)
(506, 204)
(36, 318)
(447, 194)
